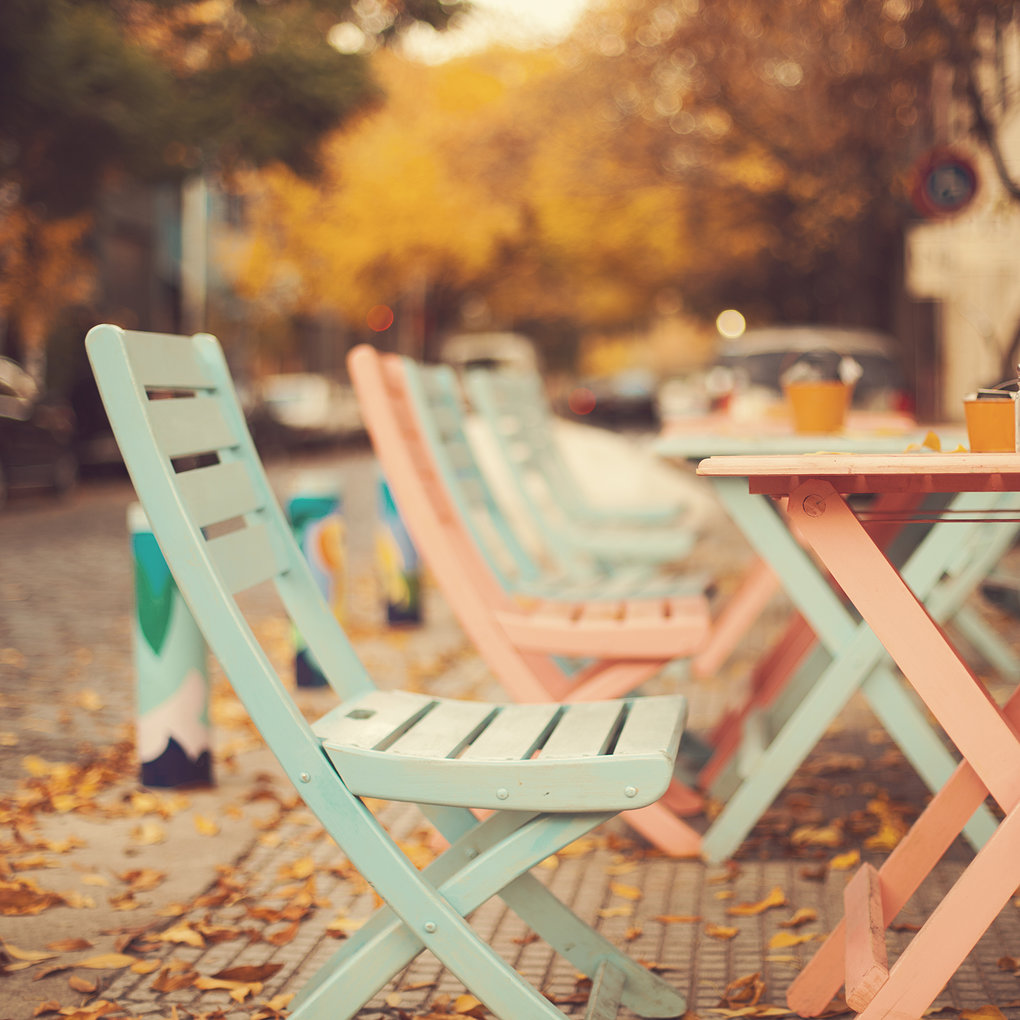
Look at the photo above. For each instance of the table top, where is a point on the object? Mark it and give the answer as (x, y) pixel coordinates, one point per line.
(866, 432)
(779, 474)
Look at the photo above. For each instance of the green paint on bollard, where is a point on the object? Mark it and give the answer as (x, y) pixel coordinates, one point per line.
(173, 728)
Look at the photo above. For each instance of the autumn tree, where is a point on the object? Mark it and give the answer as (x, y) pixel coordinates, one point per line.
(158, 89)
(734, 152)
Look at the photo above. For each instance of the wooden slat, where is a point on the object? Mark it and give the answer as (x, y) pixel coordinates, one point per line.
(166, 361)
(644, 610)
(445, 731)
(512, 736)
(600, 613)
(867, 967)
(652, 725)
(375, 720)
(244, 558)
(218, 492)
(584, 730)
(558, 611)
(190, 426)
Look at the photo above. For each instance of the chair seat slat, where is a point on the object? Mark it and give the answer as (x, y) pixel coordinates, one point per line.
(373, 720)
(244, 558)
(445, 731)
(189, 426)
(651, 724)
(218, 492)
(573, 776)
(584, 730)
(513, 735)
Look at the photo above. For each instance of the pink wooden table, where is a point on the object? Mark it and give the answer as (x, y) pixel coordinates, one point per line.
(987, 737)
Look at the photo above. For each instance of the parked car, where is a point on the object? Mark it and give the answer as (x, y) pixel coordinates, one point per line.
(303, 409)
(465, 351)
(36, 435)
(747, 371)
(625, 400)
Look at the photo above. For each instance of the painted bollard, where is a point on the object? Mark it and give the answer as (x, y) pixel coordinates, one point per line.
(314, 512)
(397, 561)
(174, 732)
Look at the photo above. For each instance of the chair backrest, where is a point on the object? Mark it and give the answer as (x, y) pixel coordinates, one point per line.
(438, 403)
(437, 523)
(183, 436)
(514, 407)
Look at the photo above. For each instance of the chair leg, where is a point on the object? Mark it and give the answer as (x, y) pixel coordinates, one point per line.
(644, 992)
(476, 867)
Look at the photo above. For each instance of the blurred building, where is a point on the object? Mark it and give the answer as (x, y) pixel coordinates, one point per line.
(964, 254)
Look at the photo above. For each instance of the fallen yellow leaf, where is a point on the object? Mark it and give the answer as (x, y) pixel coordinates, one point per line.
(621, 911)
(787, 939)
(148, 834)
(721, 931)
(182, 933)
(628, 892)
(801, 917)
(33, 955)
(107, 961)
(206, 826)
(776, 898)
(844, 862)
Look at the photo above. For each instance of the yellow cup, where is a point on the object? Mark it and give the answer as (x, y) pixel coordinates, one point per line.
(818, 406)
(991, 425)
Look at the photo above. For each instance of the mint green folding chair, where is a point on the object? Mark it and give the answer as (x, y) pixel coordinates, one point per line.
(540, 564)
(544, 775)
(515, 411)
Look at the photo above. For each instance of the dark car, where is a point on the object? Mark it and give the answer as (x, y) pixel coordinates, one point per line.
(36, 435)
(746, 377)
(762, 356)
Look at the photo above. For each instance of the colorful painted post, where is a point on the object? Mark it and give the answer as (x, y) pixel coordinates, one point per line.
(173, 728)
(398, 562)
(314, 511)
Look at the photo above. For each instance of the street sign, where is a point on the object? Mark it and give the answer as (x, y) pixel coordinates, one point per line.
(945, 183)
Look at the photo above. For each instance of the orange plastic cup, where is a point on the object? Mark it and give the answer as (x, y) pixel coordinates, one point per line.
(991, 425)
(818, 406)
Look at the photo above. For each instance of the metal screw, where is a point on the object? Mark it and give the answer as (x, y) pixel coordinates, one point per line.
(814, 506)
(630, 791)
(430, 927)
(470, 853)
(502, 793)
(305, 777)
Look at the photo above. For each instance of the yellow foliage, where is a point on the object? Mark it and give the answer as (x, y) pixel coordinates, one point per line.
(45, 268)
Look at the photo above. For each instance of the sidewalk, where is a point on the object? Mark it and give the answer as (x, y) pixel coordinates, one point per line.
(219, 903)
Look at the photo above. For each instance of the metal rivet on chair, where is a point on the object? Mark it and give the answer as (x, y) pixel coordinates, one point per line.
(430, 926)
(630, 791)
(305, 777)
(502, 793)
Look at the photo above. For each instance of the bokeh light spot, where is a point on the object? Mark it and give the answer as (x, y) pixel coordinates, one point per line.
(581, 401)
(379, 318)
(731, 323)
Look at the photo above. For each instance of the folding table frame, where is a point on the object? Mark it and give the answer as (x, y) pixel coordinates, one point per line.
(988, 737)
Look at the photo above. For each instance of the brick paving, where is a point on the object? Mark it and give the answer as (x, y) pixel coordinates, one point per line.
(65, 612)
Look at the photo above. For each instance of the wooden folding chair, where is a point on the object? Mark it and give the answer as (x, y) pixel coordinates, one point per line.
(522, 427)
(548, 773)
(524, 563)
(625, 641)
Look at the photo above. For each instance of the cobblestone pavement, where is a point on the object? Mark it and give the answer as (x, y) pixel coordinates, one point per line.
(185, 887)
